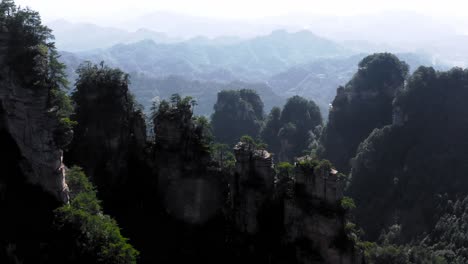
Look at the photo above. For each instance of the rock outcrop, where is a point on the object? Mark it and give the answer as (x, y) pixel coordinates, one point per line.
(313, 218)
(189, 185)
(25, 115)
(311, 227)
(253, 187)
(110, 136)
(32, 177)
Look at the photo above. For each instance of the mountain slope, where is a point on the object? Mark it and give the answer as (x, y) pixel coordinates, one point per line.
(252, 59)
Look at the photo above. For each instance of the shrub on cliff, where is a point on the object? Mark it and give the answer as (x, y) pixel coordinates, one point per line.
(223, 155)
(97, 235)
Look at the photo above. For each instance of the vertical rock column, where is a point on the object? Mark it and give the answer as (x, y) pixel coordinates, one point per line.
(254, 185)
(313, 219)
(187, 182)
(32, 125)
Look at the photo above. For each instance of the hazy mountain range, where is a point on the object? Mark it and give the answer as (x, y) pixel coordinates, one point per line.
(278, 64)
(252, 59)
(201, 67)
(84, 36)
(396, 31)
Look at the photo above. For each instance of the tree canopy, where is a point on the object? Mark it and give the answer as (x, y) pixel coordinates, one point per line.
(97, 235)
(109, 120)
(291, 131)
(406, 166)
(237, 113)
(365, 103)
(33, 59)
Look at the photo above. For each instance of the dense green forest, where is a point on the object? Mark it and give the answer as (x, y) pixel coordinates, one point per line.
(292, 131)
(91, 176)
(365, 103)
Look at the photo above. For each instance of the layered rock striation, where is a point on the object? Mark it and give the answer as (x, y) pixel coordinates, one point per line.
(25, 114)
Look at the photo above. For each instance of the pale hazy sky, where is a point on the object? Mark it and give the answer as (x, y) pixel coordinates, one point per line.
(98, 10)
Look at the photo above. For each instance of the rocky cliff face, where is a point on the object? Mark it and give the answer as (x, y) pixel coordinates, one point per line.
(115, 141)
(313, 218)
(253, 187)
(32, 177)
(188, 183)
(110, 136)
(312, 221)
(26, 117)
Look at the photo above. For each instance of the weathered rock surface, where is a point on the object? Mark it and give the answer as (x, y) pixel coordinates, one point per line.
(309, 208)
(24, 114)
(110, 136)
(190, 186)
(313, 218)
(253, 187)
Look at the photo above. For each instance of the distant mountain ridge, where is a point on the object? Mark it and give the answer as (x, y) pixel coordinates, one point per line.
(251, 59)
(284, 63)
(77, 37)
(391, 31)
(201, 66)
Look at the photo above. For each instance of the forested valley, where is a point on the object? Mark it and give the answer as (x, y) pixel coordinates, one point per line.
(325, 156)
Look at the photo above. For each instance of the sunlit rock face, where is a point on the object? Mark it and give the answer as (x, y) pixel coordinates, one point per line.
(25, 116)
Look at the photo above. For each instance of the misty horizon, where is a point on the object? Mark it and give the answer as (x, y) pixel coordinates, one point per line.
(439, 29)
(87, 10)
